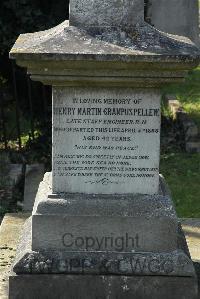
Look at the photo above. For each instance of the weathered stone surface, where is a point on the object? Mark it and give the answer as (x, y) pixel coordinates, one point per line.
(180, 17)
(100, 287)
(106, 141)
(191, 130)
(174, 106)
(33, 177)
(137, 56)
(114, 260)
(15, 173)
(126, 55)
(107, 261)
(99, 216)
(86, 13)
(82, 233)
(165, 264)
(193, 146)
(191, 228)
(121, 205)
(10, 176)
(140, 43)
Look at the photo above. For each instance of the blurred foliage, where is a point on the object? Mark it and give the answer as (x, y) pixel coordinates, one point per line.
(20, 16)
(4, 167)
(16, 17)
(190, 89)
(182, 170)
(188, 94)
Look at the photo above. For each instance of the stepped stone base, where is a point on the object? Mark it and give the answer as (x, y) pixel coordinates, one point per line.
(67, 275)
(175, 263)
(12, 226)
(57, 218)
(101, 287)
(153, 262)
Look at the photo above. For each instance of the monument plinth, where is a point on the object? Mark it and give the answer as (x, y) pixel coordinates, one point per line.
(103, 223)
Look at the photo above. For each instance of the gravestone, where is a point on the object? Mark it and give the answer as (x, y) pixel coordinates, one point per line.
(33, 175)
(105, 149)
(103, 223)
(180, 17)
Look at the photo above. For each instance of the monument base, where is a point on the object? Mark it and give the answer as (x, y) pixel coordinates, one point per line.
(101, 287)
(140, 263)
(154, 262)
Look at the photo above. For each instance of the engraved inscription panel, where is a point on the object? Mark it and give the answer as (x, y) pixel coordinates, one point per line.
(106, 140)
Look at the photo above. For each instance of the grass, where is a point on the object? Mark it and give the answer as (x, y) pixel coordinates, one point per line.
(182, 170)
(182, 173)
(189, 94)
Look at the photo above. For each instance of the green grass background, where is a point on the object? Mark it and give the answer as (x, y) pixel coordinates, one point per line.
(182, 170)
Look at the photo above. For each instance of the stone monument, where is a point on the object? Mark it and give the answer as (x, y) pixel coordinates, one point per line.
(103, 224)
(180, 17)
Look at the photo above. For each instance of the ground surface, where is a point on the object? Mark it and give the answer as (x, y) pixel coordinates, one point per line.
(10, 231)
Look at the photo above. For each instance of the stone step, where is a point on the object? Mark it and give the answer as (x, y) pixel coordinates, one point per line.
(11, 230)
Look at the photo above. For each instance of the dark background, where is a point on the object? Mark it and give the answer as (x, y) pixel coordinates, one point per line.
(21, 16)
(25, 106)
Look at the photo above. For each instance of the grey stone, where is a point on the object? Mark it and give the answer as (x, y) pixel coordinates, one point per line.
(12, 226)
(136, 57)
(116, 260)
(103, 216)
(105, 140)
(143, 248)
(188, 125)
(129, 54)
(171, 98)
(193, 146)
(122, 205)
(10, 177)
(108, 263)
(191, 130)
(142, 43)
(191, 227)
(82, 233)
(15, 173)
(197, 270)
(179, 17)
(133, 57)
(87, 13)
(33, 176)
(113, 260)
(174, 105)
(139, 228)
(101, 287)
